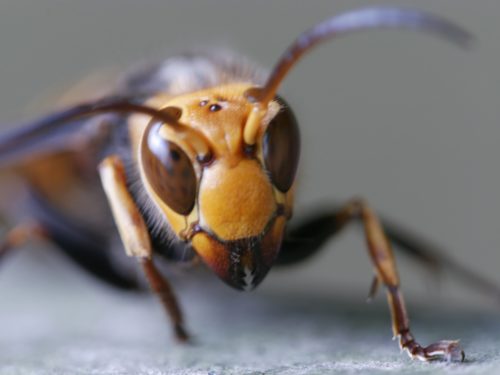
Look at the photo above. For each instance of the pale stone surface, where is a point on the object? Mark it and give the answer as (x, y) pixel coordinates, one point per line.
(54, 320)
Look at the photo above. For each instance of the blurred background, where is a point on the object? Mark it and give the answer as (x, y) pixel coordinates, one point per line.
(405, 120)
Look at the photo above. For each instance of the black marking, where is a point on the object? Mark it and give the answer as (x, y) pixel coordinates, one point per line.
(251, 250)
(215, 108)
(175, 155)
(205, 160)
(280, 209)
(250, 150)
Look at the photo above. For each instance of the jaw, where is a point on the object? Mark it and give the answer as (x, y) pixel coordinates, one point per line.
(241, 263)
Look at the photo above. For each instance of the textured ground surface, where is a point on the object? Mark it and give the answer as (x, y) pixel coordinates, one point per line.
(53, 321)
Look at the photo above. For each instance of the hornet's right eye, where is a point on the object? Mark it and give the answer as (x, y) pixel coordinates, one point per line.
(281, 148)
(169, 171)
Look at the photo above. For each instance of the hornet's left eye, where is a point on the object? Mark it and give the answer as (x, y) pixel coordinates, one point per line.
(281, 147)
(169, 171)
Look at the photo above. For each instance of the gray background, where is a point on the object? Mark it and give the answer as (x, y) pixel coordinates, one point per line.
(406, 121)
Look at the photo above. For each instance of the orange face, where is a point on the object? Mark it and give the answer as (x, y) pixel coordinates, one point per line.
(231, 203)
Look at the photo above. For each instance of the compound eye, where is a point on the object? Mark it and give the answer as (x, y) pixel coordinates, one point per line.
(281, 147)
(169, 171)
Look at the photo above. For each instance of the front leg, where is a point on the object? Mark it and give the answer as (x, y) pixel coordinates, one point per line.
(136, 240)
(380, 252)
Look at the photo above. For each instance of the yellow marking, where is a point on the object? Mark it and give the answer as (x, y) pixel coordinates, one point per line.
(236, 201)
